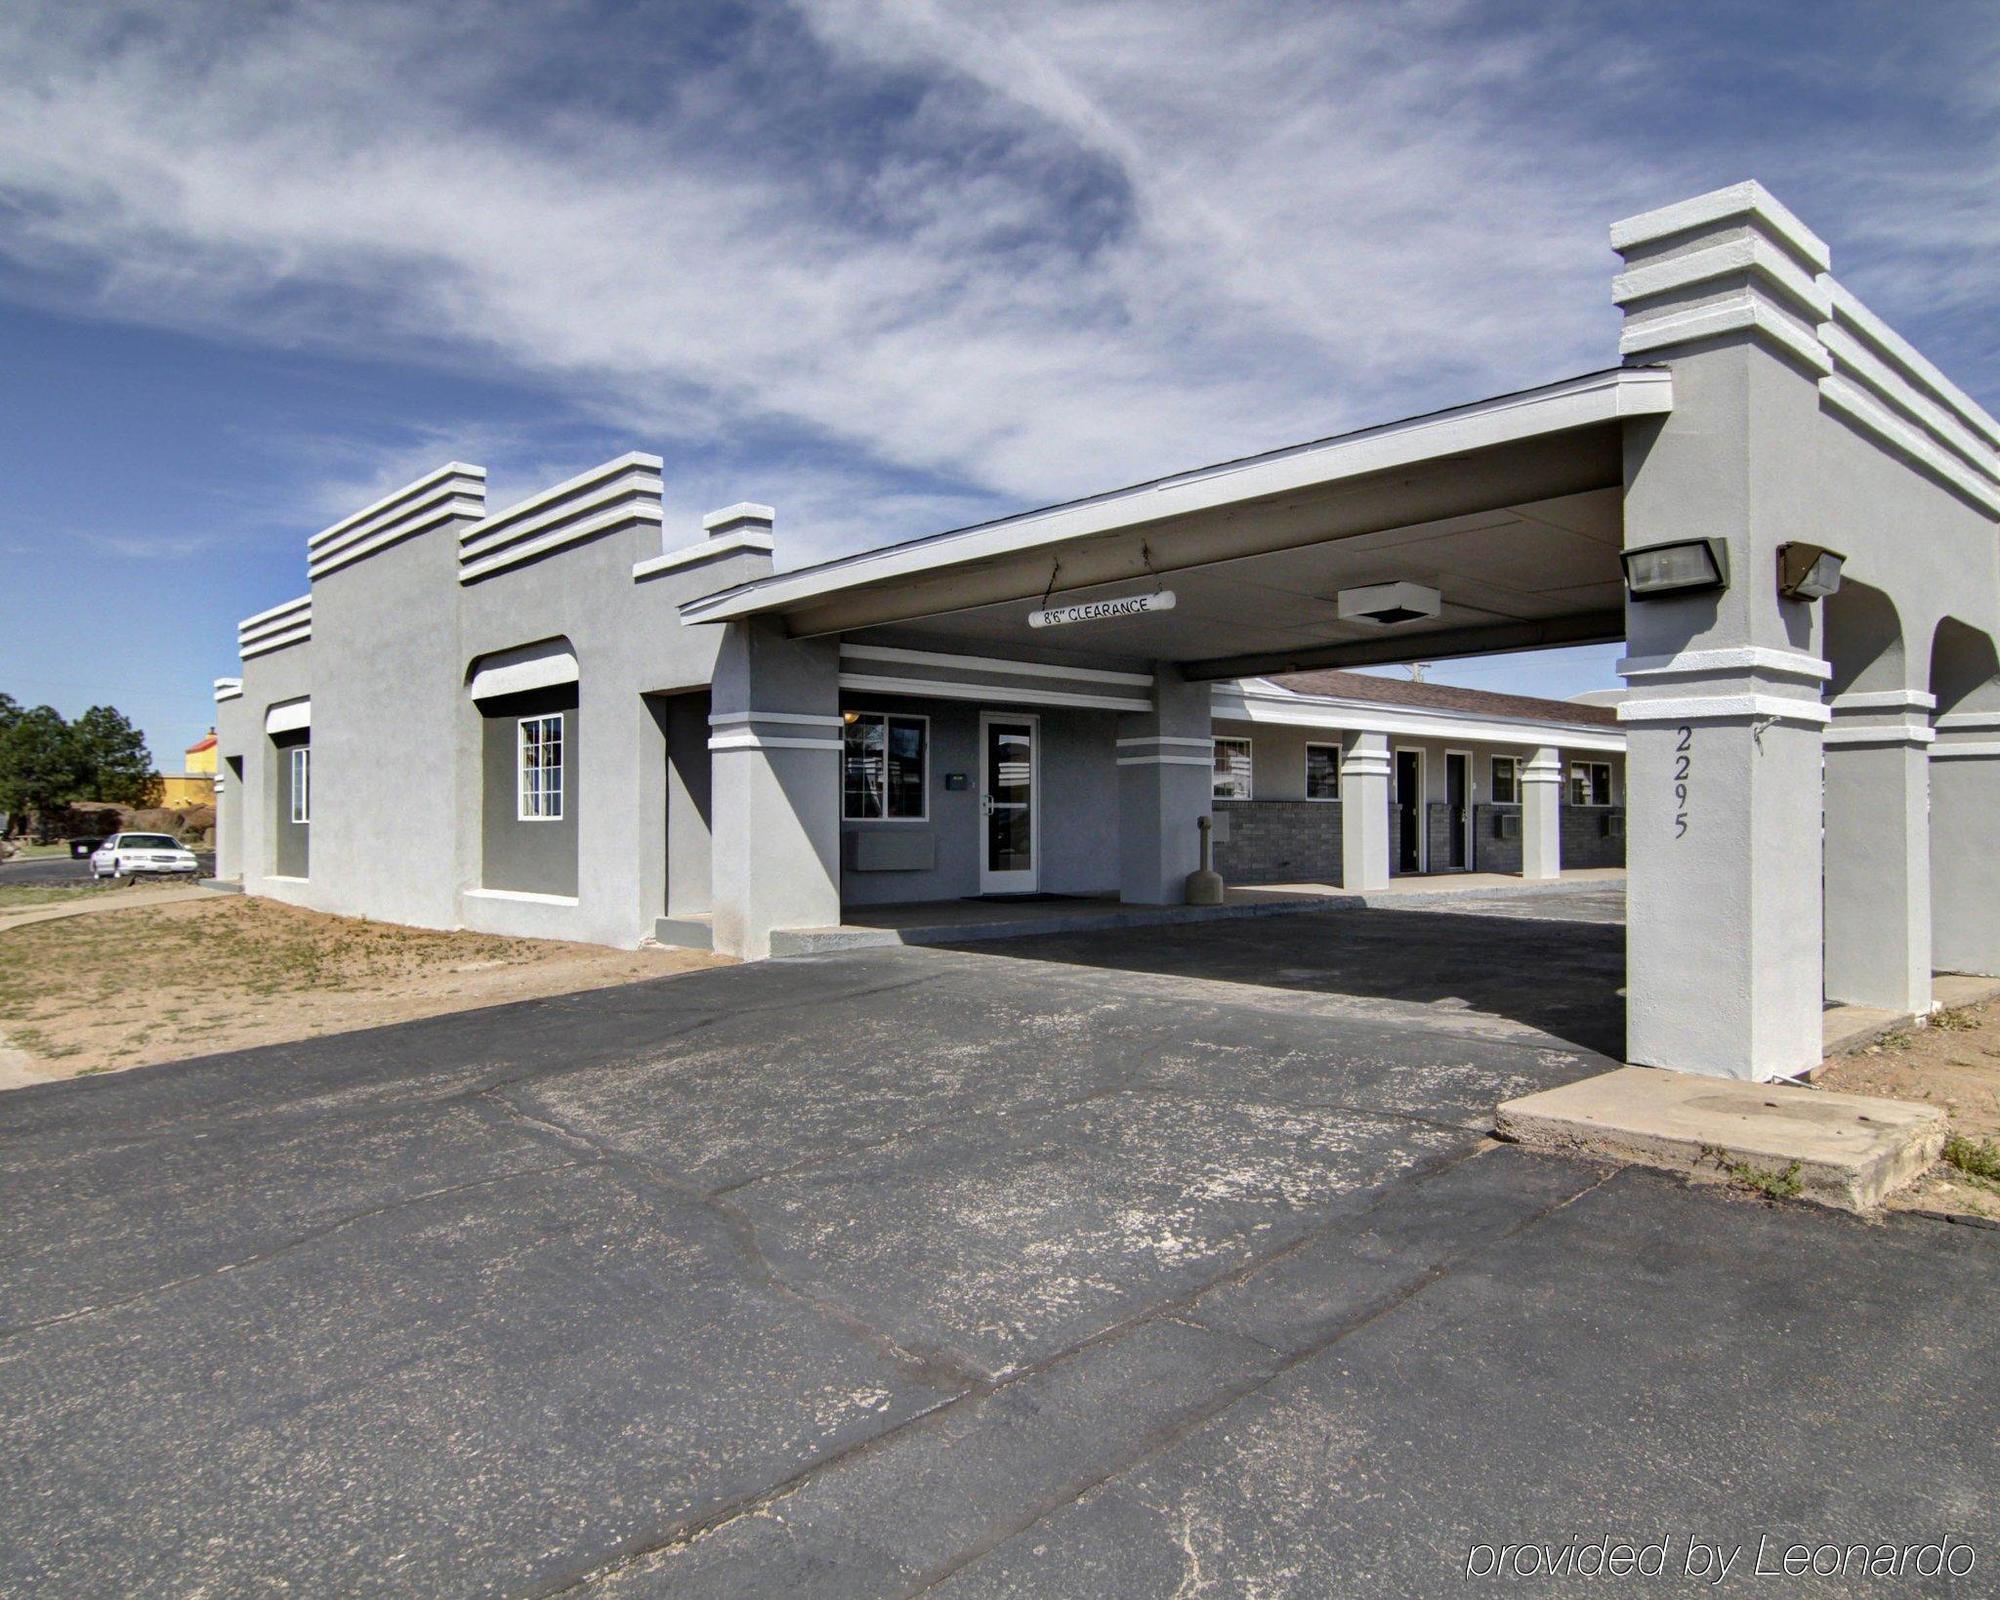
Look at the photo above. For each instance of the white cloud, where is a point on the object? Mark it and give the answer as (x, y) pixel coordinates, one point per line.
(1026, 250)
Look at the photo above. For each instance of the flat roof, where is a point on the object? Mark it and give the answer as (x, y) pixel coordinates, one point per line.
(1591, 400)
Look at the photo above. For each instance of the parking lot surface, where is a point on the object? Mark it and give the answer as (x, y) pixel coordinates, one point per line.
(1129, 1265)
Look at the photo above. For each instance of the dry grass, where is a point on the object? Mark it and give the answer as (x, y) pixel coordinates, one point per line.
(124, 989)
(1955, 1064)
(31, 896)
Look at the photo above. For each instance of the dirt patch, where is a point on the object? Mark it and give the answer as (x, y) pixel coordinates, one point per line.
(1955, 1064)
(100, 993)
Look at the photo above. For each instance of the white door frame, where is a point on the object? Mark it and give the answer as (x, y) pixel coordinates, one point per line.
(1471, 793)
(991, 882)
(1423, 820)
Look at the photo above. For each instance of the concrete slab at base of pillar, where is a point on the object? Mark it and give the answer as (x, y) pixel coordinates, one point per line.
(1851, 1150)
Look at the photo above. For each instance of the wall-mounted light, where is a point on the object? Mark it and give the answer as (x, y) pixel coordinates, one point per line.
(1808, 571)
(1684, 567)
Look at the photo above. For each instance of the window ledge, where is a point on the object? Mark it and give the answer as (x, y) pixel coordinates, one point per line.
(522, 895)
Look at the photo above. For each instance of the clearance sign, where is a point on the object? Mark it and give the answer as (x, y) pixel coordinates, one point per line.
(1102, 610)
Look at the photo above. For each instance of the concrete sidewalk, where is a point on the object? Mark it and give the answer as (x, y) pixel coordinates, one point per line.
(109, 900)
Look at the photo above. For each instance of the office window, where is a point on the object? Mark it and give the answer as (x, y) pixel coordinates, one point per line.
(1506, 780)
(1232, 769)
(1590, 783)
(884, 767)
(1322, 772)
(301, 783)
(541, 769)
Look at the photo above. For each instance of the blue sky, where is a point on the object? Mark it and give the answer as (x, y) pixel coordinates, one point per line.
(890, 267)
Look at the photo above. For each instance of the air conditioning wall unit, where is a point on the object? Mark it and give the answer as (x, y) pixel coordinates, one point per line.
(1506, 824)
(1388, 605)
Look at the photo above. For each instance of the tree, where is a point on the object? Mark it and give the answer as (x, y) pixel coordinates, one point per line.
(112, 762)
(10, 712)
(38, 762)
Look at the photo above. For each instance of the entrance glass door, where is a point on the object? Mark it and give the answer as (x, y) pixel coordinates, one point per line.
(1007, 804)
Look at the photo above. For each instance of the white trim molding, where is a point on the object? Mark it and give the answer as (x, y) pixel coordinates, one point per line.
(1965, 749)
(1591, 400)
(1757, 659)
(454, 492)
(537, 666)
(744, 541)
(289, 716)
(228, 689)
(1883, 700)
(275, 629)
(522, 897)
(750, 739)
(622, 493)
(1881, 733)
(1001, 664)
(1727, 708)
(995, 693)
(799, 719)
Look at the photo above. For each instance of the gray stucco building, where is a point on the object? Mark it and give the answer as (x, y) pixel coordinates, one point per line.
(595, 730)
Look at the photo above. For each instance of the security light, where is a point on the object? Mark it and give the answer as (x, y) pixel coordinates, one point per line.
(1684, 567)
(1386, 604)
(1808, 571)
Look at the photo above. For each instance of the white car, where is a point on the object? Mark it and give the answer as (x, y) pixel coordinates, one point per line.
(129, 855)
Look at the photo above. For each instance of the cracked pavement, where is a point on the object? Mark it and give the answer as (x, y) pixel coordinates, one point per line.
(1079, 1266)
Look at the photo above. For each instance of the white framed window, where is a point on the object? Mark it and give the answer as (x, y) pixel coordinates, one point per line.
(885, 767)
(541, 768)
(1322, 772)
(1232, 769)
(301, 783)
(1505, 780)
(1590, 783)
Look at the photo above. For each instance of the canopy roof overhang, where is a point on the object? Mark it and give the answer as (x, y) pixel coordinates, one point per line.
(1512, 508)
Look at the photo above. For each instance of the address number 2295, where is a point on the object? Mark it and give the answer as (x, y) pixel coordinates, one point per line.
(1683, 764)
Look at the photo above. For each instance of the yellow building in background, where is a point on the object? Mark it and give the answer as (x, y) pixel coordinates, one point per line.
(195, 785)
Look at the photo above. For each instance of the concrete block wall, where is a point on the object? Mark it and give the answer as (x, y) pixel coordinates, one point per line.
(1279, 841)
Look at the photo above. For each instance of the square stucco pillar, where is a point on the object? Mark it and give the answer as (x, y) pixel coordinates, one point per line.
(1965, 882)
(1878, 852)
(1364, 811)
(1166, 785)
(1723, 909)
(1724, 720)
(775, 747)
(1541, 813)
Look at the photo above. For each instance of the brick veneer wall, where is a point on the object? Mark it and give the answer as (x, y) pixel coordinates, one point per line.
(1279, 841)
(1584, 843)
(1490, 852)
(1298, 841)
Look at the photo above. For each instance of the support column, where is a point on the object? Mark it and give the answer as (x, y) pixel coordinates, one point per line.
(1541, 813)
(1878, 852)
(1723, 912)
(775, 743)
(1965, 880)
(1166, 785)
(1364, 811)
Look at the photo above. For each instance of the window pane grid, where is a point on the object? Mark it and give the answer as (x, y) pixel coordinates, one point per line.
(541, 787)
(301, 784)
(1232, 769)
(1322, 772)
(884, 767)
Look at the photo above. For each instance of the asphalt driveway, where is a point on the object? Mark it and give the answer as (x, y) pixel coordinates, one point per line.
(1155, 1264)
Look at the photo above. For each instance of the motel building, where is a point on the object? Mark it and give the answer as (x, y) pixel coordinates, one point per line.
(607, 730)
